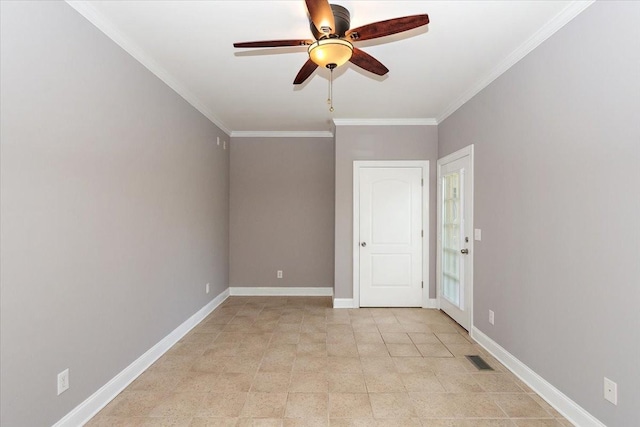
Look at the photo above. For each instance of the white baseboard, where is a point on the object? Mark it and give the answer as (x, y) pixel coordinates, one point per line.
(343, 303)
(348, 303)
(563, 404)
(433, 303)
(98, 400)
(276, 291)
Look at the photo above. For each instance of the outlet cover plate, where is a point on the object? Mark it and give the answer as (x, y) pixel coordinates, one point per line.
(63, 381)
(610, 391)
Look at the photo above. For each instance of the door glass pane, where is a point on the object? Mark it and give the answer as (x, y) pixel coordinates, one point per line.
(452, 238)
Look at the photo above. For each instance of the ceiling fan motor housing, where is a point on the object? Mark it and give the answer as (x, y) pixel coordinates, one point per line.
(342, 20)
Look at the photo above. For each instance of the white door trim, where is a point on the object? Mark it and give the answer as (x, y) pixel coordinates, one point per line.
(357, 164)
(466, 151)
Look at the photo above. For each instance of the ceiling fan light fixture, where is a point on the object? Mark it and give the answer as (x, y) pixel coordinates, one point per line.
(330, 51)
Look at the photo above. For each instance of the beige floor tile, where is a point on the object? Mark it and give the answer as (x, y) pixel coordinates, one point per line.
(497, 383)
(309, 382)
(286, 337)
(391, 405)
(434, 350)
(396, 338)
(368, 337)
(197, 381)
(342, 349)
(259, 422)
(422, 381)
(306, 422)
(271, 382)
(307, 405)
(339, 329)
(313, 337)
(264, 405)
(310, 364)
(467, 423)
(313, 328)
(447, 365)
(405, 365)
(294, 361)
(391, 327)
(178, 405)
(346, 383)
(546, 406)
(312, 349)
(157, 380)
(232, 382)
(403, 350)
(459, 383)
(455, 405)
(344, 364)
(451, 338)
(532, 422)
(371, 328)
(352, 422)
(465, 349)
(133, 403)
(349, 405)
(384, 383)
(520, 406)
(372, 365)
(174, 363)
(372, 350)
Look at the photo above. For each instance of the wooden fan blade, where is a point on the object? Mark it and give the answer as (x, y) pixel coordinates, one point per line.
(321, 15)
(387, 28)
(274, 43)
(307, 69)
(367, 62)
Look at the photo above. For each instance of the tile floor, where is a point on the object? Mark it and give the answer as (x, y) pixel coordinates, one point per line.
(295, 361)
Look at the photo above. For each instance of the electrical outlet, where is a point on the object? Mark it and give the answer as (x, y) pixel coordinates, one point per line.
(610, 391)
(224, 145)
(477, 234)
(206, 288)
(279, 274)
(63, 381)
(491, 317)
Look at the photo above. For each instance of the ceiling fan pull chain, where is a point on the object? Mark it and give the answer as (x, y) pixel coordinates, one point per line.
(330, 100)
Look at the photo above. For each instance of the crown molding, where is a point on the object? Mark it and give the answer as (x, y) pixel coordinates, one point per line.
(385, 122)
(572, 10)
(103, 24)
(281, 134)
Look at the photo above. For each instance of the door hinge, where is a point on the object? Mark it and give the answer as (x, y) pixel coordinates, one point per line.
(422, 182)
(422, 285)
(422, 233)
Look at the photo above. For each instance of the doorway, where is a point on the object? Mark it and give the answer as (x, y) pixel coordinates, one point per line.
(454, 275)
(390, 233)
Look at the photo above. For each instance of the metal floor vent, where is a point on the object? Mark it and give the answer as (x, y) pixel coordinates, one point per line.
(479, 363)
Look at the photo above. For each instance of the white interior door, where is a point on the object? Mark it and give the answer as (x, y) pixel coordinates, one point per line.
(390, 237)
(455, 236)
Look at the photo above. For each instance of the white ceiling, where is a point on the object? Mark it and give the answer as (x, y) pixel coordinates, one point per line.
(433, 70)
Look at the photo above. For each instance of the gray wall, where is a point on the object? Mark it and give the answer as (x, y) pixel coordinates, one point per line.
(114, 210)
(282, 211)
(377, 143)
(557, 143)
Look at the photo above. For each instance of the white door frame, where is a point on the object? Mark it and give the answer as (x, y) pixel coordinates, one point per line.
(466, 151)
(424, 165)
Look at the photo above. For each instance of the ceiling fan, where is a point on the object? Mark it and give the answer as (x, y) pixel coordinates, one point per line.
(333, 45)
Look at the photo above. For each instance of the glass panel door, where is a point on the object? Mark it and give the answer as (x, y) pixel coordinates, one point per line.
(452, 235)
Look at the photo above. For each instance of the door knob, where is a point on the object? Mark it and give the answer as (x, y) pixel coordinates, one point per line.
(363, 244)
(464, 251)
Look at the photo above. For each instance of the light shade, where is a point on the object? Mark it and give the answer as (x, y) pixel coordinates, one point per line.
(329, 51)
